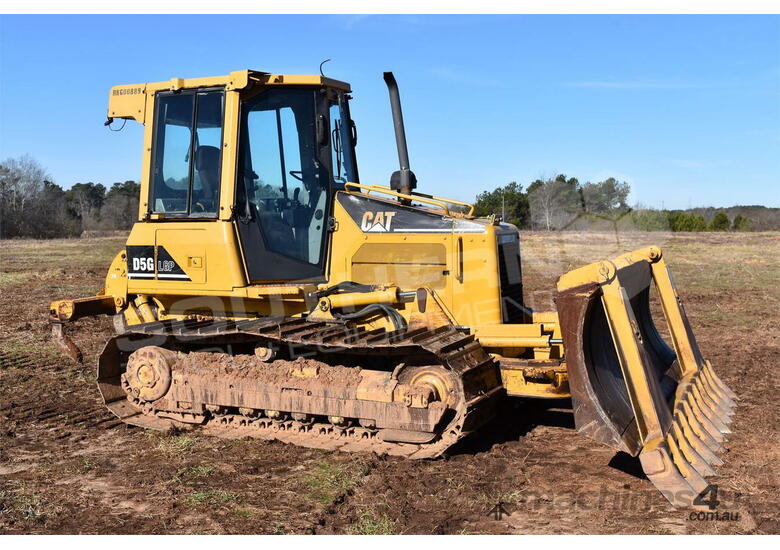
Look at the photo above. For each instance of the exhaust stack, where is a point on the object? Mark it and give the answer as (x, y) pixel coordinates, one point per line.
(403, 180)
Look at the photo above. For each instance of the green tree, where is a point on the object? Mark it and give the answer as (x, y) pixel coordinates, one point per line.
(120, 209)
(508, 202)
(676, 220)
(650, 220)
(84, 202)
(697, 223)
(720, 222)
(683, 221)
(740, 223)
(606, 198)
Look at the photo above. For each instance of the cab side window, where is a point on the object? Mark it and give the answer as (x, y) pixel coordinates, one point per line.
(186, 162)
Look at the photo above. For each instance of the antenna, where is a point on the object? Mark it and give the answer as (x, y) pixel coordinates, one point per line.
(321, 64)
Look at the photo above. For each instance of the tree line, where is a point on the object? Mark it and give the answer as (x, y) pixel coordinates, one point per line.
(31, 205)
(562, 202)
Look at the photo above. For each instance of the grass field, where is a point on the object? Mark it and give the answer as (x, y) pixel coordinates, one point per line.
(67, 466)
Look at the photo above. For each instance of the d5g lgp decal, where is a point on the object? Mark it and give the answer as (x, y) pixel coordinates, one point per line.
(141, 264)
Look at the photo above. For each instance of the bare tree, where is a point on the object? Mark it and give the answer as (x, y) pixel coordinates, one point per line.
(21, 181)
(553, 202)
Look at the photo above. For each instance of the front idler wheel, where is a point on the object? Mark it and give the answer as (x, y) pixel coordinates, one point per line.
(147, 377)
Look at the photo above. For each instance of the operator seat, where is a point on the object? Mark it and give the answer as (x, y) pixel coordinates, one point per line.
(207, 165)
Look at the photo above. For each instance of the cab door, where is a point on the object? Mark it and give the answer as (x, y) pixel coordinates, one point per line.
(283, 190)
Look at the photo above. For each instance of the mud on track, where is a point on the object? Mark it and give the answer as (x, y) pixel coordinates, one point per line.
(67, 466)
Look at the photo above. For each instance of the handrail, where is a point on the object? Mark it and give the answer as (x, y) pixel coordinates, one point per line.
(427, 199)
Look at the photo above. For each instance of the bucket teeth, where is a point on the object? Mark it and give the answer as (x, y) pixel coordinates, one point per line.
(703, 418)
(701, 446)
(715, 416)
(715, 392)
(666, 468)
(689, 451)
(722, 385)
(711, 399)
(718, 416)
(697, 431)
(688, 472)
(679, 464)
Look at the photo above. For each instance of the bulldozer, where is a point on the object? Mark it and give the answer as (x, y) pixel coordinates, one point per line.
(265, 291)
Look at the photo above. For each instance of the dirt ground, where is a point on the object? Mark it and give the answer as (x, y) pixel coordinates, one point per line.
(68, 466)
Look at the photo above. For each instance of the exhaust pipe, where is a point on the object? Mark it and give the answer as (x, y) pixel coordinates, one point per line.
(402, 180)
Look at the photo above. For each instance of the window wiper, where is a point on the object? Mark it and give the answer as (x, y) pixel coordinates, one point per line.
(337, 148)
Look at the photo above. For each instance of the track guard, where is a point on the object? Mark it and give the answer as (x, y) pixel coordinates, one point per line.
(630, 389)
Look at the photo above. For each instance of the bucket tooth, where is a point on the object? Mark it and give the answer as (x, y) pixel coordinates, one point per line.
(715, 417)
(689, 473)
(703, 418)
(661, 470)
(715, 378)
(698, 428)
(703, 446)
(713, 403)
(690, 453)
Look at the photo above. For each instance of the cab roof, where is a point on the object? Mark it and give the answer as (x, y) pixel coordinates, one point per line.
(129, 100)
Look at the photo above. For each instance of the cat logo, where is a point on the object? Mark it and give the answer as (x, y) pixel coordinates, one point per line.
(377, 222)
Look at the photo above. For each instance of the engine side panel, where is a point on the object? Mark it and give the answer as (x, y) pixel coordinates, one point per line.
(381, 241)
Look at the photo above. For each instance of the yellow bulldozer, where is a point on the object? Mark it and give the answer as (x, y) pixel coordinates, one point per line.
(265, 291)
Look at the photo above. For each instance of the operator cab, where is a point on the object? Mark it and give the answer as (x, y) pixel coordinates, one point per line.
(292, 148)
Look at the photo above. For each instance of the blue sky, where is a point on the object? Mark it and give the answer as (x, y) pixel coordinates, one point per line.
(685, 108)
